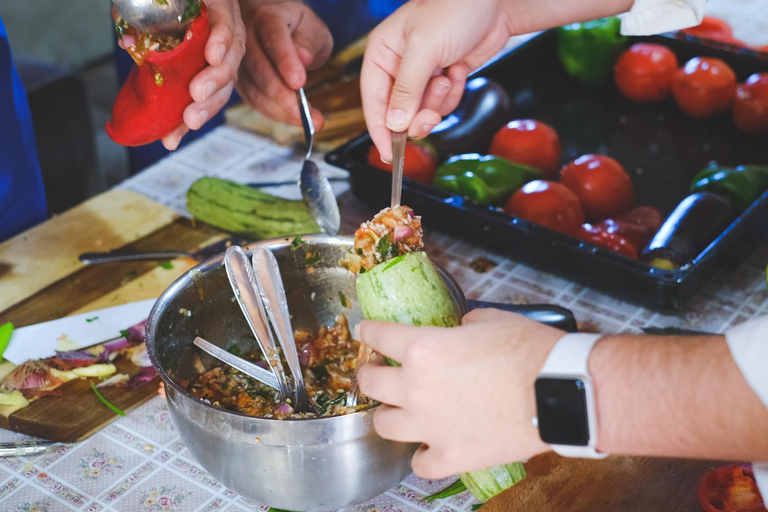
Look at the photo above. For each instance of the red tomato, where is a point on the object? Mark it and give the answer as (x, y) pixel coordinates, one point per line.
(531, 143)
(645, 72)
(637, 226)
(549, 204)
(711, 28)
(704, 87)
(419, 163)
(729, 488)
(750, 105)
(601, 184)
(600, 237)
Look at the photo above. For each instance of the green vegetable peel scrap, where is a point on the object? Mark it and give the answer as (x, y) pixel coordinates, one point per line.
(6, 331)
(106, 402)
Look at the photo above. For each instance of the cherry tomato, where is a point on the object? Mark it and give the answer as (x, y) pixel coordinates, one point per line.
(729, 488)
(704, 87)
(637, 226)
(601, 184)
(750, 105)
(597, 235)
(645, 72)
(531, 143)
(711, 28)
(419, 163)
(549, 204)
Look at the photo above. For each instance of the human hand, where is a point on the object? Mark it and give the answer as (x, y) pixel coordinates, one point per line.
(212, 87)
(417, 61)
(283, 40)
(466, 393)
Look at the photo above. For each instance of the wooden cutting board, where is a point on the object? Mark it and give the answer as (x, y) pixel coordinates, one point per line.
(42, 279)
(626, 484)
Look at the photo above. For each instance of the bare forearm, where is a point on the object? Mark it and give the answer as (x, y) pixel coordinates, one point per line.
(532, 15)
(676, 397)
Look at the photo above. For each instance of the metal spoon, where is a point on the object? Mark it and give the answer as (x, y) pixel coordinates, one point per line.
(161, 17)
(398, 160)
(247, 367)
(270, 285)
(241, 278)
(315, 188)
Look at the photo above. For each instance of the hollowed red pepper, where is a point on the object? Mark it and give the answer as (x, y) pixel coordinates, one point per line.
(151, 102)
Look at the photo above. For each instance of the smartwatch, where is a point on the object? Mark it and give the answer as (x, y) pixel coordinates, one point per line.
(565, 400)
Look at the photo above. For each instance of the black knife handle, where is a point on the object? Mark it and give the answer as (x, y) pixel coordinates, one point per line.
(554, 316)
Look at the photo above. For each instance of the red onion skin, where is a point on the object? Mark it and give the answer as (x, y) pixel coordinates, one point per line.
(402, 232)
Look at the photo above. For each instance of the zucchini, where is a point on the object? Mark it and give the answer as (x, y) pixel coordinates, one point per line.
(409, 290)
(247, 211)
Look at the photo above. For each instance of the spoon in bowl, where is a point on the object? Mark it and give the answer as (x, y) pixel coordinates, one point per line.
(243, 282)
(270, 285)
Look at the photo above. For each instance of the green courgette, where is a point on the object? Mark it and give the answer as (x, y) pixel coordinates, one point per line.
(410, 290)
(247, 211)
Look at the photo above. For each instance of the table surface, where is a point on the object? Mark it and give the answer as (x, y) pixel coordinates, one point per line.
(138, 463)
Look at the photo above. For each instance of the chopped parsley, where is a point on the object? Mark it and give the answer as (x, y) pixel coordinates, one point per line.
(296, 243)
(192, 10)
(89, 320)
(125, 334)
(312, 259)
(167, 265)
(383, 247)
(234, 350)
(343, 299)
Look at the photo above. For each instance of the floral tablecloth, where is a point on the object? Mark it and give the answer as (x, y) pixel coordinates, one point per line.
(139, 463)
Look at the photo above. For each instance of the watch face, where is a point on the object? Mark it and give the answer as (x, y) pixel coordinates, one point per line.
(562, 411)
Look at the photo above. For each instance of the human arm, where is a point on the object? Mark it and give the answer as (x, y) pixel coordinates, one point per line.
(283, 39)
(418, 59)
(212, 87)
(467, 394)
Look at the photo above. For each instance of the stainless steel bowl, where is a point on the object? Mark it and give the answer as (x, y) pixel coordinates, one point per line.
(306, 465)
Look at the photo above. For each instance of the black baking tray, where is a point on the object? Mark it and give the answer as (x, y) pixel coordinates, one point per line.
(659, 146)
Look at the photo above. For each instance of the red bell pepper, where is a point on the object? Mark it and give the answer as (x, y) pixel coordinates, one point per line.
(151, 102)
(597, 235)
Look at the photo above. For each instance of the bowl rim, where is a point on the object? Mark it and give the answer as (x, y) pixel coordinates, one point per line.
(213, 263)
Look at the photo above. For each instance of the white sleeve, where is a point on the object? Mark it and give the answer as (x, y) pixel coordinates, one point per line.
(748, 343)
(656, 16)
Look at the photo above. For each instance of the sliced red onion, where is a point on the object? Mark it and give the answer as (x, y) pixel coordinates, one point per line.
(74, 359)
(138, 332)
(402, 232)
(410, 213)
(282, 411)
(128, 41)
(117, 378)
(262, 364)
(140, 357)
(144, 377)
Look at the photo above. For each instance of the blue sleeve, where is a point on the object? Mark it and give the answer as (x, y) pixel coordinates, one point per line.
(22, 197)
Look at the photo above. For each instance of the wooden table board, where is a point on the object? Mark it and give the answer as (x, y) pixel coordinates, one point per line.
(41, 279)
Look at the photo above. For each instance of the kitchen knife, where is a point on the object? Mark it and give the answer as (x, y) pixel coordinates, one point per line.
(75, 332)
(199, 255)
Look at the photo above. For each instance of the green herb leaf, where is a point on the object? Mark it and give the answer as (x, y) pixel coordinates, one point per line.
(167, 265)
(383, 247)
(89, 320)
(119, 30)
(6, 331)
(191, 11)
(312, 259)
(125, 334)
(477, 506)
(320, 371)
(296, 243)
(234, 350)
(106, 402)
(343, 299)
(456, 487)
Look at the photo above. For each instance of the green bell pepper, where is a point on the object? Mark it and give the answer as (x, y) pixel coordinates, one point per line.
(485, 179)
(589, 50)
(741, 185)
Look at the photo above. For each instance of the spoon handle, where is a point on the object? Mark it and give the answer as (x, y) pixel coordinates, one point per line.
(247, 367)
(270, 285)
(243, 283)
(398, 160)
(306, 120)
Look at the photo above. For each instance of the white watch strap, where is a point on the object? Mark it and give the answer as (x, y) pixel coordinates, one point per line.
(570, 355)
(569, 358)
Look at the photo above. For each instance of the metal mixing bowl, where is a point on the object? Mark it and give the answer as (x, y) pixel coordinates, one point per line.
(306, 465)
